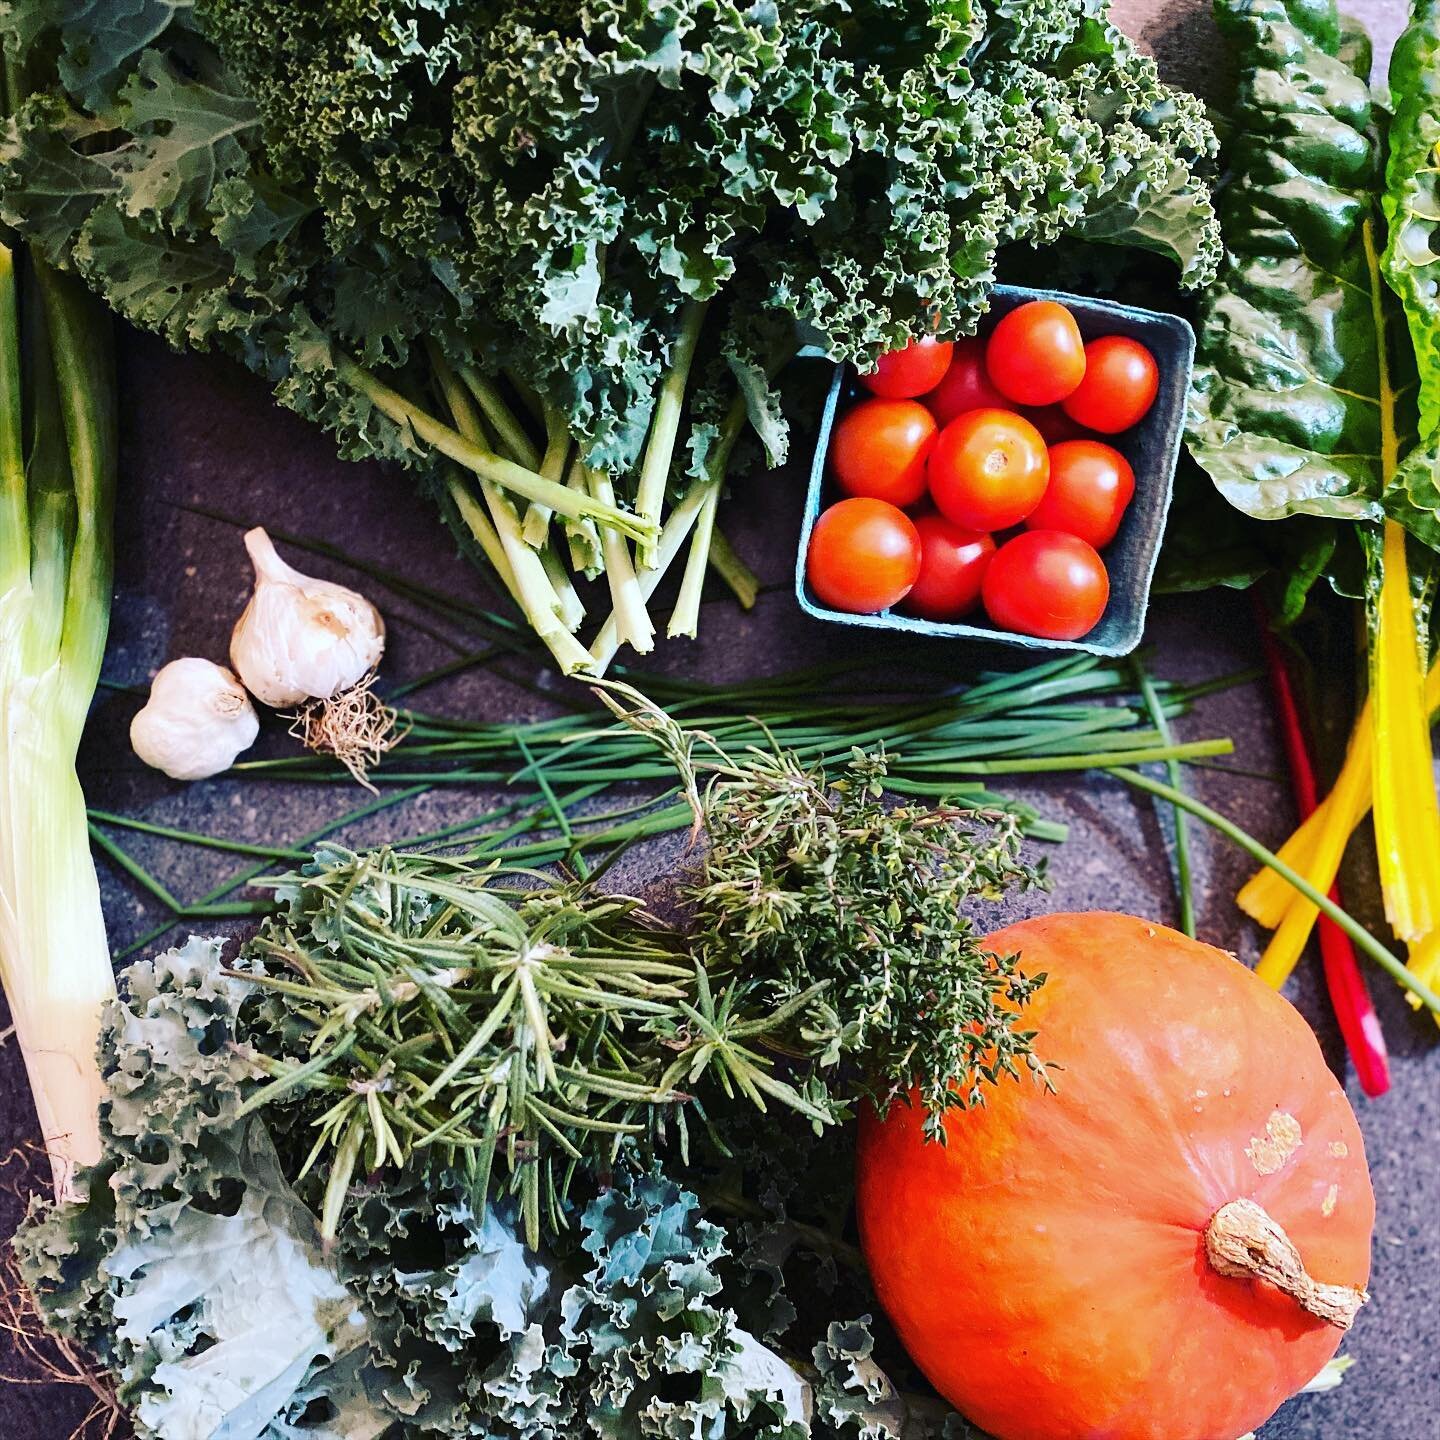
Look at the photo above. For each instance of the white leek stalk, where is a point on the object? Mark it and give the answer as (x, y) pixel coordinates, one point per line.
(56, 495)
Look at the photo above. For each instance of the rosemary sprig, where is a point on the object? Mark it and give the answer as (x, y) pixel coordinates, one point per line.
(494, 1021)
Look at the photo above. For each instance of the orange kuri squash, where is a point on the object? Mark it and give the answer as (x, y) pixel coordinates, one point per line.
(1164, 1247)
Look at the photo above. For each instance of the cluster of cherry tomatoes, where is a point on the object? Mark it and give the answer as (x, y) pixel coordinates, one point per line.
(974, 438)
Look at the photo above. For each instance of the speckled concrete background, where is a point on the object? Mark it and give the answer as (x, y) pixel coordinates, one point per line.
(200, 434)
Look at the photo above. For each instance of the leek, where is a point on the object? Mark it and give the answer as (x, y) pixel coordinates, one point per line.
(57, 473)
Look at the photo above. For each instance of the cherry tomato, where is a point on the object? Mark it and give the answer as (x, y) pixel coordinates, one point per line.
(966, 386)
(988, 469)
(1091, 483)
(1053, 424)
(1120, 382)
(953, 562)
(864, 556)
(879, 450)
(1035, 355)
(1046, 583)
(903, 374)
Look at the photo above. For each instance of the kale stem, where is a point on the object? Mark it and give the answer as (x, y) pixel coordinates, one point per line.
(572, 607)
(531, 584)
(552, 467)
(665, 426)
(585, 555)
(480, 459)
(1183, 886)
(632, 620)
(673, 535)
(685, 618)
(1252, 847)
(727, 564)
(514, 442)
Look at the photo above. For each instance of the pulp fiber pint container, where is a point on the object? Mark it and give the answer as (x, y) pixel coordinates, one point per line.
(1152, 448)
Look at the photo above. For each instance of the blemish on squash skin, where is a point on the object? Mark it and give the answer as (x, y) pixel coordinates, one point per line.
(1327, 1205)
(1339, 1149)
(1268, 1152)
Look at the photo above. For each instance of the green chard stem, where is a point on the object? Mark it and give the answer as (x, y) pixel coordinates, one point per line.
(665, 425)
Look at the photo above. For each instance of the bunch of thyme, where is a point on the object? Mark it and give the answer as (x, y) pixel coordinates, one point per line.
(817, 881)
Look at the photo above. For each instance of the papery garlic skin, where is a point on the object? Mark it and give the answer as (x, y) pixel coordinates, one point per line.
(197, 720)
(300, 638)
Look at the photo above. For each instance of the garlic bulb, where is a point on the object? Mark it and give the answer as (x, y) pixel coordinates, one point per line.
(197, 720)
(300, 638)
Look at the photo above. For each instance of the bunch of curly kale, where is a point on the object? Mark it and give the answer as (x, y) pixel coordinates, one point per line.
(469, 236)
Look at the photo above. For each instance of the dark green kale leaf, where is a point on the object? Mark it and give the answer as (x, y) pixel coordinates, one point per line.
(193, 1272)
(541, 188)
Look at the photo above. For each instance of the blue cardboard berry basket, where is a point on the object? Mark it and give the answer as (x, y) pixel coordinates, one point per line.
(1152, 447)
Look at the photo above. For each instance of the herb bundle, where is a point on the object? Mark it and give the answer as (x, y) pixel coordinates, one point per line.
(552, 257)
(196, 1274)
(459, 1006)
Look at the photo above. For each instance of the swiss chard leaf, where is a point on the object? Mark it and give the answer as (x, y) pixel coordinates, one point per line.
(1303, 396)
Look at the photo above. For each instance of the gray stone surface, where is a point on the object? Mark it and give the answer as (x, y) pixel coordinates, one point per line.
(199, 434)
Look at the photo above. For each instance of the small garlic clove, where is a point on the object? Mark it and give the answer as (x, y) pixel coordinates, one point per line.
(197, 720)
(301, 638)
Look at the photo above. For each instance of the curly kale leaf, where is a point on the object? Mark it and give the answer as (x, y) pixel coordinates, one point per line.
(193, 1271)
(542, 187)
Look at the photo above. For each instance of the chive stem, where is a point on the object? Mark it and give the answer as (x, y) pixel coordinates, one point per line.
(1252, 847)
